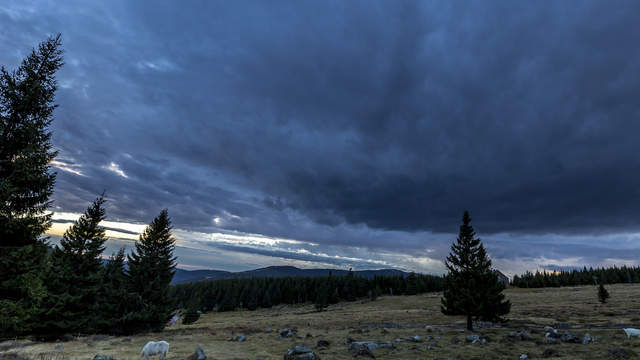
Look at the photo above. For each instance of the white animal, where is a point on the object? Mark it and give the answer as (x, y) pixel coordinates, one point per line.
(155, 348)
(631, 332)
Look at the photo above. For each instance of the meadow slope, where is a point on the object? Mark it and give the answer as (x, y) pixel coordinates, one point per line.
(386, 319)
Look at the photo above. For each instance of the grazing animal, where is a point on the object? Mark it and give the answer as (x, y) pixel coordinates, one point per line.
(155, 348)
(631, 332)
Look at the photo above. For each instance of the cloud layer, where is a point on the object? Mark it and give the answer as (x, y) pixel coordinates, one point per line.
(370, 125)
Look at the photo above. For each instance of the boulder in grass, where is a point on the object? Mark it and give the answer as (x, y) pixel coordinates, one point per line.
(238, 338)
(285, 333)
(369, 345)
(300, 353)
(198, 354)
(570, 337)
(476, 339)
(102, 357)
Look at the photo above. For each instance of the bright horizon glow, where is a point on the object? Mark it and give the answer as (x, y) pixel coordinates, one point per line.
(225, 250)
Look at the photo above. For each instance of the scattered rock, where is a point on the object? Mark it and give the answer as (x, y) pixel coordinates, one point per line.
(363, 352)
(482, 324)
(521, 335)
(524, 336)
(586, 339)
(570, 337)
(547, 353)
(473, 338)
(285, 333)
(476, 339)
(300, 353)
(323, 343)
(551, 340)
(429, 328)
(198, 354)
(415, 338)
(524, 356)
(238, 338)
(552, 333)
(369, 345)
(59, 347)
(102, 357)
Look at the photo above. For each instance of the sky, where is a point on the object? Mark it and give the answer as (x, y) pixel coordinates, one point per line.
(348, 133)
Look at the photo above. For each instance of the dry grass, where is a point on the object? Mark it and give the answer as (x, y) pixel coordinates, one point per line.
(403, 316)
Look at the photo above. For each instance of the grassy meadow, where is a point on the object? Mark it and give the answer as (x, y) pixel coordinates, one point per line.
(386, 319)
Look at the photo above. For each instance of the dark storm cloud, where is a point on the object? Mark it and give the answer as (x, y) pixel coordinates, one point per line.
(362, 123)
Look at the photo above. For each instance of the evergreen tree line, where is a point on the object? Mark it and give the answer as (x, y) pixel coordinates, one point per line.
(252, 293)
(590, 276)
(47, 290)
(84, 294)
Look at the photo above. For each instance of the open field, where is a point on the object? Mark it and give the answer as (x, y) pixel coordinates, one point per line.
(386, 319)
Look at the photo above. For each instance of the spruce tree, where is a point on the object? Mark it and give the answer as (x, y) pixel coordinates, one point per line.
(114, 299)
(151, 269)
(603, 294)
(74, 278)
(471, 287)
(26, 183)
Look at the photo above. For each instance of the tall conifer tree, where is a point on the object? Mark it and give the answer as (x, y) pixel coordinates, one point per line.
(114, 298)
(26, 182)
(471, 287)
(74, 278)
(151, 269)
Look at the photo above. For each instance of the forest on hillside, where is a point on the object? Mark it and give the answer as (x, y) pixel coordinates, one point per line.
(590, 276)
(231, 294)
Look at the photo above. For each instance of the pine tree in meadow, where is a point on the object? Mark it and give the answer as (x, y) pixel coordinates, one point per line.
(471, 287)
(74, 278)
(603, 294)
(26, 183)
(151, 269)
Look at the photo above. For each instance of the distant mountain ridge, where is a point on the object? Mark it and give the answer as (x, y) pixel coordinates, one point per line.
(186, 276)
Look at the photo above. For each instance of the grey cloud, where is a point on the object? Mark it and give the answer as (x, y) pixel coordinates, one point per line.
(371, 124)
